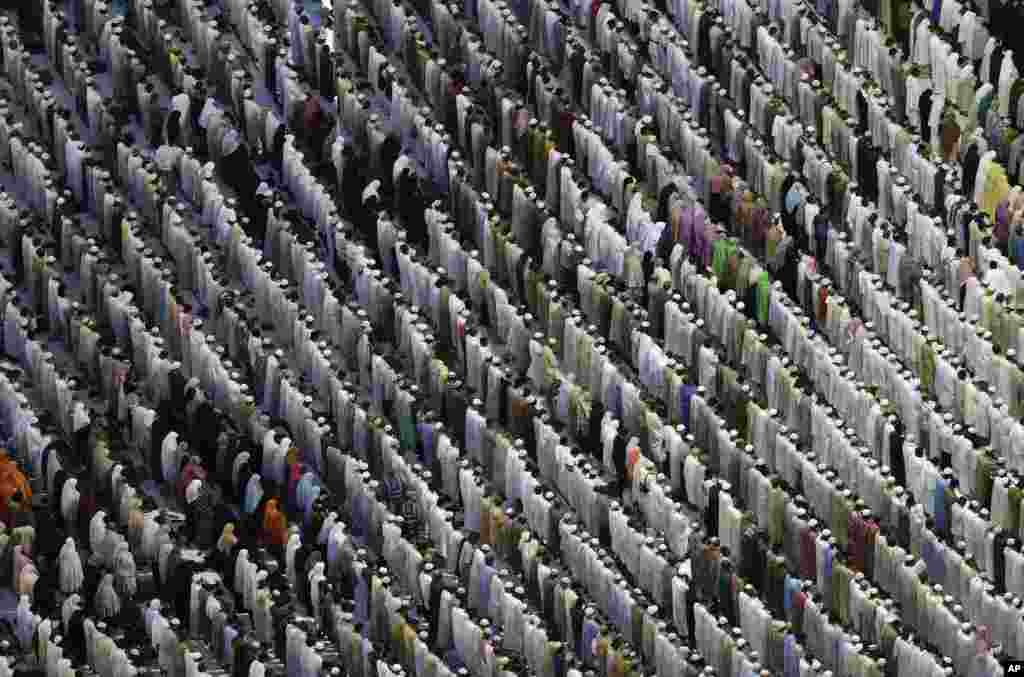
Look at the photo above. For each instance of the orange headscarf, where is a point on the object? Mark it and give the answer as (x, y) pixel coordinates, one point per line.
(275, 524)
(12, 480)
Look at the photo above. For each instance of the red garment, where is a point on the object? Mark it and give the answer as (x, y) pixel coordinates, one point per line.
(797, 612)
(857, 534)
(312, 116)
(295, 472)
(808, 557)
(86, 507)
(822, 305)
(632, 457)
(564, 122)
(275, 524)
(191, 472)
(761, 223)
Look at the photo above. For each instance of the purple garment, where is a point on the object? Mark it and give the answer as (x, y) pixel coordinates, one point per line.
(699, 228)
(362, 601)
(426, 431)
(791, 661)
(686, 228)
(687, 391)
(1002, 229)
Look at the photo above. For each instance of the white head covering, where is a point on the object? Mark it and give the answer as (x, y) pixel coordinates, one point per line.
(69, 499)
(124, 568)
(25, 620)
(292, 547)
(70, 567)
(192, 491)
(325, 528)
(180, 103)
(240, 567)
(151, 612)
(107, 602)
(97, 530)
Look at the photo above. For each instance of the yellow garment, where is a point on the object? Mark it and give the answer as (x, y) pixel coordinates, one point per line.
(996, 189)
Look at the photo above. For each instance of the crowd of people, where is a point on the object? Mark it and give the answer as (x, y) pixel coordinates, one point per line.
(414, 338)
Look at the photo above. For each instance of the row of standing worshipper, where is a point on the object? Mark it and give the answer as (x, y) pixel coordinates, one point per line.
(930, 246)
(279, 62)
(1004, 381)
(189, 488)
(1000, 380)
(113, 371)
(192, 184)
(934, 323)
(194, 119)
(189, 493)
(157, 440)
(952, 264)
(197, 359)
(271, 388)
(42, 444)
(311, 125)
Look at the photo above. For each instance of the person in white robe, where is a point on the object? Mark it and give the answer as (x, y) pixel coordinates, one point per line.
(70, 564)
(69, 496)
(107, 601)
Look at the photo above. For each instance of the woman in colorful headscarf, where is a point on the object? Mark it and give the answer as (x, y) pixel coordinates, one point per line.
(191, 470)
(227, 539)
(15, 492)
(275, 525)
